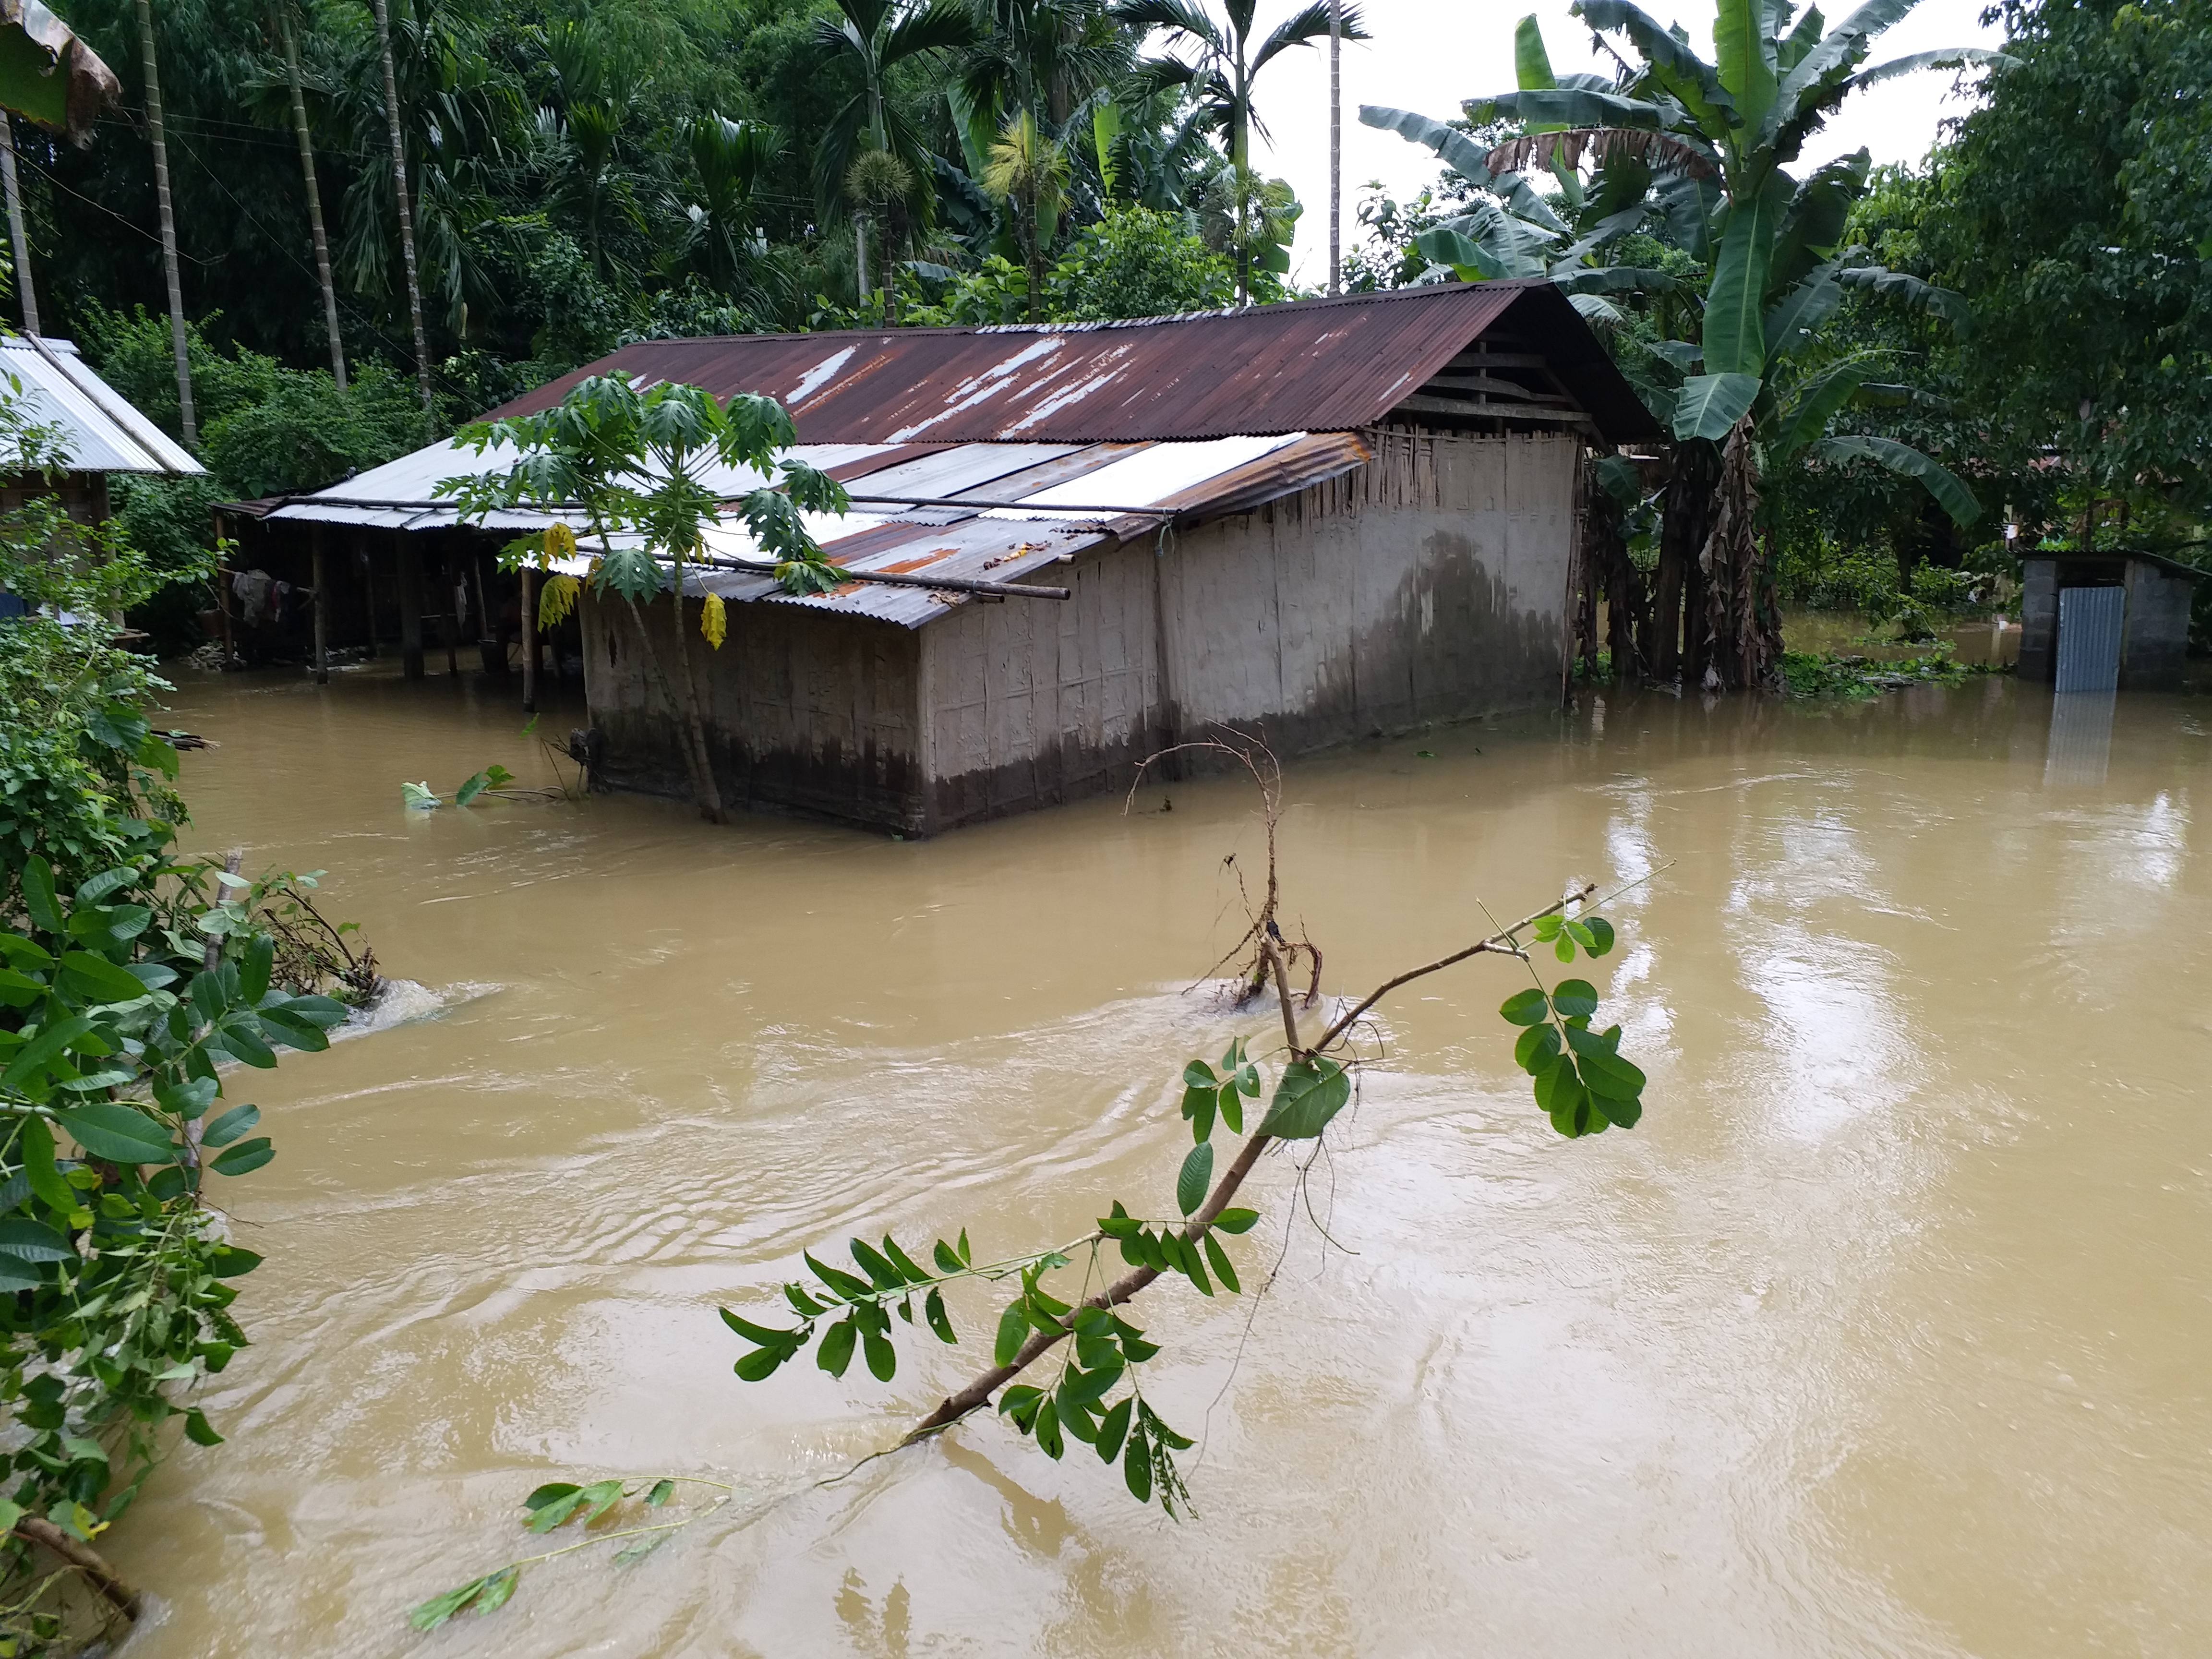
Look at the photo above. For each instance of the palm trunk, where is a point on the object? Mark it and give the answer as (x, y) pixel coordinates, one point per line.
(314, 197)
(1335, 145)
(861, 259)
(406, 212)
(16, 229)
(177, 336)
(1037, 255)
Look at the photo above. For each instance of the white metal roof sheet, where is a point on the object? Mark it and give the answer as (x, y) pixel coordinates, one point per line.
(100, 431)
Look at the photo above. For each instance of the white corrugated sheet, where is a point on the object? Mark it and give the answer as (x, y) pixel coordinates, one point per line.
(100, 432)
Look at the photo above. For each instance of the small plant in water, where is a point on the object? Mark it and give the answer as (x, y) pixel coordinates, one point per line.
(1094, 1395)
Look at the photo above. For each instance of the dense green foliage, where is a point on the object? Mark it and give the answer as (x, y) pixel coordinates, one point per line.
(129, 976)
(588, 172)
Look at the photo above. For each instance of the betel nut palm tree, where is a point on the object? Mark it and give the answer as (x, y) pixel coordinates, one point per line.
(1227, 60)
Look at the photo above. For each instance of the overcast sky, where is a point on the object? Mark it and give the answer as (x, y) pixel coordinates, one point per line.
(1427, 55)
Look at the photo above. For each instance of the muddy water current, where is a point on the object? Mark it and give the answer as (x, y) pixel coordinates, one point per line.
(1886, 1333)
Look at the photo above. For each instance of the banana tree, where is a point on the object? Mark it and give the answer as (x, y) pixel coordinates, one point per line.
(648, 471)
(1712, 140)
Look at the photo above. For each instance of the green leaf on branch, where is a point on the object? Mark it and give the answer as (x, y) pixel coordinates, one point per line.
(946, 1261)
(1196, 1177)
(1013, 1331)
(1112, 1429)
(100, 979)
(1199, 1106)
(37, 880)
(932, 1310)
(199, 1431)
(1536, 1048)
(906, 1264)
(1218, 1258)
(231, 1125)
(245, 1158)
(116, 1133)
(1309, 1094)
(1574, 998)
(847, 1288)
(882, 1358)
(835, 1352)
(881, 1274)
(32, 1241)
(1235, 1221)
(1529, 1007)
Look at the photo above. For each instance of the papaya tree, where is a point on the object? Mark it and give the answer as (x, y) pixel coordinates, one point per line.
(647, 474)
(1711, 144)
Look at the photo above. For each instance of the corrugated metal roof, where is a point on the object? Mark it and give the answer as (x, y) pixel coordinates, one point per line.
(967, 512)
(1310, 365)
(101, 433)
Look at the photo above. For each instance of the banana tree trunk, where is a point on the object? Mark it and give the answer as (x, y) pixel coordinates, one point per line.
(406, 210)
(314, 196)
(1739, 606)
(16, 229)
(163, 207)
(1683, 530)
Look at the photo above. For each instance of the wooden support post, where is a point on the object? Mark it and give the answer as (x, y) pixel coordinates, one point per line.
(322, 607)
(367, 559)
(529, 640)
(489, 646)
(452, 618)
(223, 579)
(411, 604)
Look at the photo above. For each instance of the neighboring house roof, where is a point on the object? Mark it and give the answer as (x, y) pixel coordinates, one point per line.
(100, 432)
(995, 512)
(1309, 366)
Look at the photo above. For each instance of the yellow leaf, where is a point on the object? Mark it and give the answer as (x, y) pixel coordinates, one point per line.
(556, 600)
(560, 541)
(715, 620)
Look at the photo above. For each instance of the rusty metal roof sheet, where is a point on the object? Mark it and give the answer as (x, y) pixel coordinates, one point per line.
(1310, 365)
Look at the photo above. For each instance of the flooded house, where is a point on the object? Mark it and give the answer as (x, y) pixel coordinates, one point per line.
(1076, 545)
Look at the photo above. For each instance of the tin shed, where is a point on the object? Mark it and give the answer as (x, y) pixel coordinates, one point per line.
(1083, 543)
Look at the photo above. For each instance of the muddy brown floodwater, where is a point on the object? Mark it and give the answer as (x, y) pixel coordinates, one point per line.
(1887, 1333)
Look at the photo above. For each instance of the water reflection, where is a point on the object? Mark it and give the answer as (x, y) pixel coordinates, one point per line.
(2081, 749)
